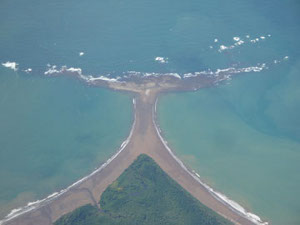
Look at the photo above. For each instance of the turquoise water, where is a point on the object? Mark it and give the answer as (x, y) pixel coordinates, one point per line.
(53, 132)
(243, 139)
(113, 37)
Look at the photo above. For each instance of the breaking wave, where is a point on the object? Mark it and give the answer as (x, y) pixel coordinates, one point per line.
(219, 196)
(220, 75)
(239, 41)
(11, 65)
(39, 203)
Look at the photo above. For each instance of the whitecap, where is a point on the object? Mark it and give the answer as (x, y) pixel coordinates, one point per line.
(91, 78)
(222, 48)
(161, 59)
(51, 70)
(29, 70)
(11, 65)
(174, 75)
(240, 42)
(72, 69)
(225, 73)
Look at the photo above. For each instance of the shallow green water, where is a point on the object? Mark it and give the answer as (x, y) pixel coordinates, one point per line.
(53, 132)
(253, 119)
(243, 138)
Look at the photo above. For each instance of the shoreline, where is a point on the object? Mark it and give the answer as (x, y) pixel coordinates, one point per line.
(144, 138)
(234, 206)
(31, 206)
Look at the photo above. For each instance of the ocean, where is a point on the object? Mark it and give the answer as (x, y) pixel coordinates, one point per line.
(53, 132)
(242, 136)
(242, 140)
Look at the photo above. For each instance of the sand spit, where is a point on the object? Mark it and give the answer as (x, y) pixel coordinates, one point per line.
(144, 138)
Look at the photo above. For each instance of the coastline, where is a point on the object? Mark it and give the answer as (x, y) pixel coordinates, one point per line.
(234, 206)
(31, 206)
(145, 138)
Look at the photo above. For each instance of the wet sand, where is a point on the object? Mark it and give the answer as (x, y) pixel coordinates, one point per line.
(144, 140)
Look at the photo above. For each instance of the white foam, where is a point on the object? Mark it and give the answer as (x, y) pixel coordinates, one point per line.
(255, 40)
(201, 73)
(39, 203)
(91, 78)
(72, 69)
(240, 42)
(286, 57)
(220, 197)
(225, 73)
(237, 42)
(223, 47)
(53, 195)
(220, 74)
(11, 65)
(51, 70)
(140, 74)
(78, 71)
(173, 74)
(161, 59)
(216, 40)
(81, 53)
(29, 70)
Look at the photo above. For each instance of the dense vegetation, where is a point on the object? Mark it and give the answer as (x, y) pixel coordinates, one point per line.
(144, 194)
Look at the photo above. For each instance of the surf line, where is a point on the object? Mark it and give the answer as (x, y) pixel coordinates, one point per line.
(232, 205)
(31, 206)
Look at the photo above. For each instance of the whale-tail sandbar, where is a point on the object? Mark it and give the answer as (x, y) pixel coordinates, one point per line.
(145, 138)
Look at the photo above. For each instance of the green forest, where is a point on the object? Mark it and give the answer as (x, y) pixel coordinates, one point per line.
(144, 194)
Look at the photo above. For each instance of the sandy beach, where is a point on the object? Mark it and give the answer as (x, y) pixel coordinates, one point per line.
(144, 138)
